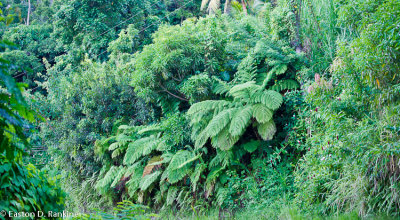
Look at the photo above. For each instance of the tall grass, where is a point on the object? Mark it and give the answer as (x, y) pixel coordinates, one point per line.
(319, 32)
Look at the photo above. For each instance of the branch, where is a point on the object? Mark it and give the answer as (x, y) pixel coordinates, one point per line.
(176, 96)
(176, 79)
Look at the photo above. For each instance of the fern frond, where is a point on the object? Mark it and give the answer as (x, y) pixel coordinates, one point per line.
(251, 146)
(214, 174)
(162, 146)
(103, 184)
(242, 91)
(114, 146)
(117, 152)
(126, 128)
(152, 129)
(184, 197)
(220, 87)
(279, 69)
(135, 149)
(189, 161)
(158, 198)
(201, 139)
(222, 159)
(148, 180)
(268, 77)
(207, 105)
(107, 140)
(130, 170)
(118, 177)
(286, 84)
(267, 130)
(167, 157)
(123, 139)
(168, 105)
(163, 187)
(200, 167)
(151, 145)
(269, 98)
(224, 140)
(135, 172)
(222, 195)
(220, 121)
(174, 170)
(261, 113)
(241, 120)
(171, 196)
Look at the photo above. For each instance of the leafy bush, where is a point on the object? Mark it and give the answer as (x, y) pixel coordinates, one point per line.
(83, 107)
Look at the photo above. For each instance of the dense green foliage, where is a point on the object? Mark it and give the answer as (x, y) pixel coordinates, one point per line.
(24, 187)
(276, 109)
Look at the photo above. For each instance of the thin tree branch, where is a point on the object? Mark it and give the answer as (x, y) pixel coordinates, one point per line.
(176, 96)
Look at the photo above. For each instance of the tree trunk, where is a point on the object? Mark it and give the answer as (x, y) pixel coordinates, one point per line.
(244, 7)
(29, 12)
(227, 8)
(296, 5)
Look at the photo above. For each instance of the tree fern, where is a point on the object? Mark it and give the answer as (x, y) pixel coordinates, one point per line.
(225, 126)
(268, 63)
